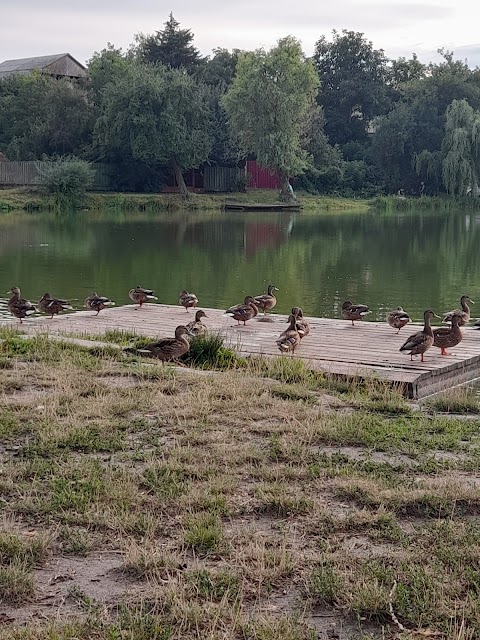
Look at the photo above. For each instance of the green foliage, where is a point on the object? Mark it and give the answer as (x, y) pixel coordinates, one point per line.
(461, 148)
(43, 115)
(172, 47)
(353, 77)
(271, 104)
(209, 351)
(68, 178)
(155, 115)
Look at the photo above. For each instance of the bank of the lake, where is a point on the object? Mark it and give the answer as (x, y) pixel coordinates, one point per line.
(33, 199)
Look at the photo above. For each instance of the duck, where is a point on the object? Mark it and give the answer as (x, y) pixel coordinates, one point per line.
(168, 348)
(18, 306)
(445, 337)
(464, 312)
(141, 295)
(52, 306)
(196, 327)
(243, 312)
(187, 300)
(354, 312)
(420, 342)
(97, 303)
(289, 340)
(477, 325)
(398, 318)
(303, 327)
(266, 301)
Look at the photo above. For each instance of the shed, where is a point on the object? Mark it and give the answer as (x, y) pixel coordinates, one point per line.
(60, 65)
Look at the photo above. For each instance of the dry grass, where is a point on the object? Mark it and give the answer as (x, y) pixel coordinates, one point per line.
(241, 503)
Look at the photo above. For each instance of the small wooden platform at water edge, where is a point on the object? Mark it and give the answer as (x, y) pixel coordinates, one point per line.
(245, 206)
(333, 346)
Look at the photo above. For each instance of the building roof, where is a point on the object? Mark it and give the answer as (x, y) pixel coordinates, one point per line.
(40, 63)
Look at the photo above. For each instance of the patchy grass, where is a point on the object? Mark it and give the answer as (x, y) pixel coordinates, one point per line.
(459, 401)
(238, 503)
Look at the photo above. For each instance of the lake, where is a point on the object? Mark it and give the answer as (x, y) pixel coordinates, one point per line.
(317, 260)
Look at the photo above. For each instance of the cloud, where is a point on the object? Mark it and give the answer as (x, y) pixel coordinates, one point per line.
(82, 28)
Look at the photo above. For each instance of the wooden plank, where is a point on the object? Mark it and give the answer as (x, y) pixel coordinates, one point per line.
(333, 346)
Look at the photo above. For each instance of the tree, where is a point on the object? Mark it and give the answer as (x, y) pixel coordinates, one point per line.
(270, 106)
(172, 47)
(353, 77)
(219, 70)
(461, 148)
(105, 66)
(41, 115)
(157, 116)
(403, 70)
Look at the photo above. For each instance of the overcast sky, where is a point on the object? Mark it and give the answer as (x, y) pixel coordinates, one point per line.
(41, 27)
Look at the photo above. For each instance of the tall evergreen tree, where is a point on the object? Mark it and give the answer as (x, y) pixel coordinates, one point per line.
(172, 47)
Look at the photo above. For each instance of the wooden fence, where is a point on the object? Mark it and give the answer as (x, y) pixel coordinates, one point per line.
(14, 174)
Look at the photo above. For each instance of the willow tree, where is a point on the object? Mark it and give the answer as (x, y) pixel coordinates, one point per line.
(270, 107)
(461, 148)
(158, 116)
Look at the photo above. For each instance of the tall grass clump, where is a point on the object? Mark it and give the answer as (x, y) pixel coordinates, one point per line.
(209, 352)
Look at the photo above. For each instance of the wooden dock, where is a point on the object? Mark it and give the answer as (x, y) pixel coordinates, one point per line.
(333, 346)
(258, 206)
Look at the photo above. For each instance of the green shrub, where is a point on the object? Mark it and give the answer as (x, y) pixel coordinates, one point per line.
(67, 179)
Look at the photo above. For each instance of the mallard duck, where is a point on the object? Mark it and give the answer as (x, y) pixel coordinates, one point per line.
(187, 300)
(141, 295)
(289, 340)
(463, 313)
(421, 341)
(267, 300)
(445, 337)
(52, 306)
(97, 303)
(196, 327)
(168, 348)
(18, 306)
(398, 318)
(354, 312)
(302, 325)
(243, 312)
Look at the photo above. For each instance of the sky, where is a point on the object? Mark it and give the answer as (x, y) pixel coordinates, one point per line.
(41, 27)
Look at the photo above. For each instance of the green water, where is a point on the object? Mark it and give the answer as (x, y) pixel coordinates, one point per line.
(414, 259)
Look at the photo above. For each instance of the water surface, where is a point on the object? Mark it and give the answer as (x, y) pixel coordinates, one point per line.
(317, 260)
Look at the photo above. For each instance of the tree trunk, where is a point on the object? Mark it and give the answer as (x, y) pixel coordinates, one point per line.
(286, 191)
(179, 178)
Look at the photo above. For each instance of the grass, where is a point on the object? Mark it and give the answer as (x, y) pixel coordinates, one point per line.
(237, 503)
(32, 199)
(458, 401)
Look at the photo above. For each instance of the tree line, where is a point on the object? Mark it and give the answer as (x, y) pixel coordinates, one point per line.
(347, 120)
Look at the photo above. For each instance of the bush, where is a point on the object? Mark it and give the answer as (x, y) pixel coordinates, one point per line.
(68, 178)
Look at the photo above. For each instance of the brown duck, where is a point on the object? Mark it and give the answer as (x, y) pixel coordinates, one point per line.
(196, 327)
(97, 303)
(289, 340)
(463, 313)
(243, 312)
(303, 327)
(421, 341)
(447, 337)
(266, 301)
(398, 318)
(52, 306)
(139, 295)
(18, 306)
(168, 348)
(187, 300)
(354, 312)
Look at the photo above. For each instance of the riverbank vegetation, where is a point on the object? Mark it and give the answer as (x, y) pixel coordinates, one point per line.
(356, 125)
(143, 501)
(36, 200)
